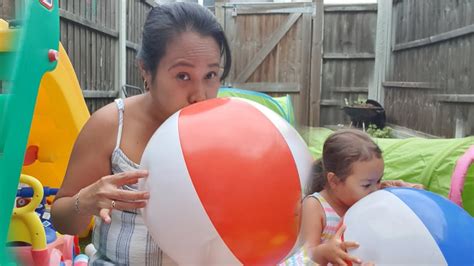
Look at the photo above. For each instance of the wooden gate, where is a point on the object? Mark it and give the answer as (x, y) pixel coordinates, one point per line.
(348, 59)
(271, 47)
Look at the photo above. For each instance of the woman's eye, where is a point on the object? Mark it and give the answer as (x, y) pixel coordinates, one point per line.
(366, 185)
(211, 75)
(183, 76)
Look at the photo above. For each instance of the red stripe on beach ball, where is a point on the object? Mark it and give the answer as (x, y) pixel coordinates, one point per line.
(245, 176)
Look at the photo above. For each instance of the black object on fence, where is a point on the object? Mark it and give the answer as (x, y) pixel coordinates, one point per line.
(363, 115)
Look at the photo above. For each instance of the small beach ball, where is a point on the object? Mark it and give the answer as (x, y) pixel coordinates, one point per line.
(226, 177)
(404, 226)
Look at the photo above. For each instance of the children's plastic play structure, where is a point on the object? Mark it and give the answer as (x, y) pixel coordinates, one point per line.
(59, 115)
(459, 176)
(41, 113)
(33, 242)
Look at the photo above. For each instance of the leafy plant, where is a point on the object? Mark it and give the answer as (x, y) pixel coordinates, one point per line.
(375, 132)
(361, 101)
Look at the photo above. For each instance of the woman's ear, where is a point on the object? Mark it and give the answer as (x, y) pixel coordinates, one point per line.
(332, 180)
(146, 76)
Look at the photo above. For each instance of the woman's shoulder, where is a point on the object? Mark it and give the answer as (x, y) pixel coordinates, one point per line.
(105, 117)
(94, 144)
(101, 126)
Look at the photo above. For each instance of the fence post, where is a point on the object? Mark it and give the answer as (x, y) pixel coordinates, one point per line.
(383, 50)
(220, 12)
(460, 123)
(316, 64)
(122, 48)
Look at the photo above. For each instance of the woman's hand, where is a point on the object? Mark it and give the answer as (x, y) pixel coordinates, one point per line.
(106, 194)
(400, 183)
(335, 251)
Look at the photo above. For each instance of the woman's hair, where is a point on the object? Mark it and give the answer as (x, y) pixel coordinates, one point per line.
(340, 151)
(165, 22)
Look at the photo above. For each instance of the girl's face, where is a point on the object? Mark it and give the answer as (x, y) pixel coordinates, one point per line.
(187, 73)
(364, 179)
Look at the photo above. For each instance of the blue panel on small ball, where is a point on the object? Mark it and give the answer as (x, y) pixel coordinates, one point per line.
(451, 226)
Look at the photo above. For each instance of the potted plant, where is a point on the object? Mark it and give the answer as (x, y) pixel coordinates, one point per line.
(365, 112)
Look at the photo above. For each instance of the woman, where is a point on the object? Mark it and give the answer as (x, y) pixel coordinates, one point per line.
(182, 52)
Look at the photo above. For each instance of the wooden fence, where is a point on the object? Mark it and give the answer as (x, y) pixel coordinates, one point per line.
(136, 15)
(413, 56)
(282, 48)
(7, 9)
(430, 71)
(348, 59)
(271, 49)
(90, 34)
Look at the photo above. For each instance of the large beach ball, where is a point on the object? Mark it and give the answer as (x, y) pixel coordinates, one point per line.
(225, 182)
(403, 226)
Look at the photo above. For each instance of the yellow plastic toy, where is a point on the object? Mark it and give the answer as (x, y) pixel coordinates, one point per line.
(25, 224)
(26, 227)
(7, 35)
(59, 115)
(41, 109)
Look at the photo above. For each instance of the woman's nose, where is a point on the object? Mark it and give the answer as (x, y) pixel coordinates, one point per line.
(198, 94)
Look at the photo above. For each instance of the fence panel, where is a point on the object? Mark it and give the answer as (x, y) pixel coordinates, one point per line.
(136, 15)
(7, 9)
(89, 35)
(429, 84)
(348, 58)
(271, 49)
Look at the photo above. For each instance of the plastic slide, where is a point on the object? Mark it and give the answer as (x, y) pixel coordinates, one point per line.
(60, 113)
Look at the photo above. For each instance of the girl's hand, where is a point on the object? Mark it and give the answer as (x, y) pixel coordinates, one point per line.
(106, 194)
(400, 183)
(335, 251)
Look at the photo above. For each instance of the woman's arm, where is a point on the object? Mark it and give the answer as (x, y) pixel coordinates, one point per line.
(400, 183)
(88, 187)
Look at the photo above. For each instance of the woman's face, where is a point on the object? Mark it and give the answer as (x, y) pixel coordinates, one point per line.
(187, 73)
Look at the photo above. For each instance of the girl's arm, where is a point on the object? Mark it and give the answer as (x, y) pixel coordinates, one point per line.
(333, 251)
(313, 222)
